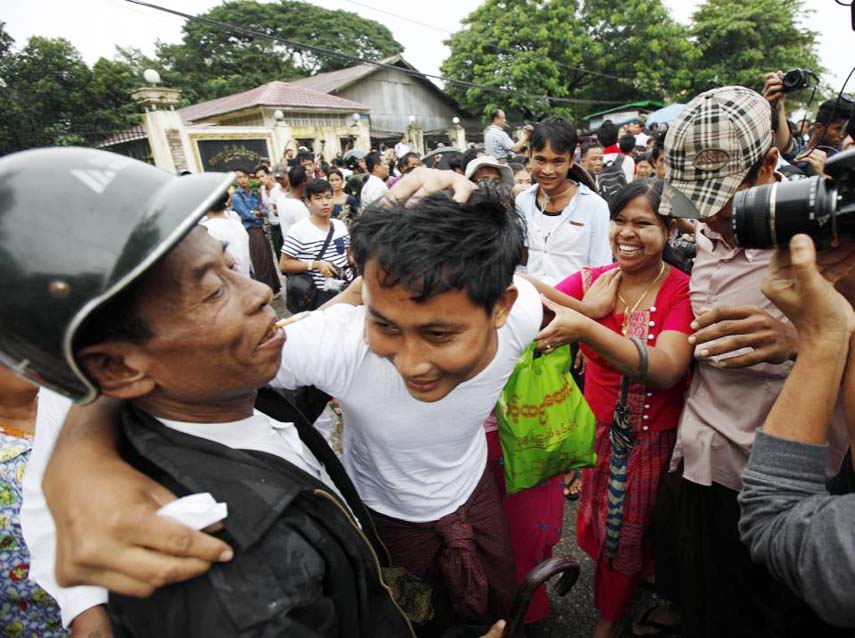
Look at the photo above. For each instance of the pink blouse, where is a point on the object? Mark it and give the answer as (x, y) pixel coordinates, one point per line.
(671, 310)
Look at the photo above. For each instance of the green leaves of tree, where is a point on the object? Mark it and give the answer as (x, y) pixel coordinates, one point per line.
(633, 50)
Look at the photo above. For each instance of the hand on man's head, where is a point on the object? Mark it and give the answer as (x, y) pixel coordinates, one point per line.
(421, 182)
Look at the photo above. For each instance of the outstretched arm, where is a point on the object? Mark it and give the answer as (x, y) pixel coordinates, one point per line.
(108, 533)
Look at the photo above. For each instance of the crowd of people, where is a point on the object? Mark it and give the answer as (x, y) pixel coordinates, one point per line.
(733, 367)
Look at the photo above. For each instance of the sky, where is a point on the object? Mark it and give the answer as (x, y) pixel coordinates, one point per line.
(94, 27)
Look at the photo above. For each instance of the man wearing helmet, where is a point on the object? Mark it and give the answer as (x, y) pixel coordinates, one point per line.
(128, 321)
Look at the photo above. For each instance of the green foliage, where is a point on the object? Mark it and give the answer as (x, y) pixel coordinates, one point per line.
(648, 55)
(637, 40)
(52, 97)
(47, 94)
(210, 62)
(526, 46)
(739, 41)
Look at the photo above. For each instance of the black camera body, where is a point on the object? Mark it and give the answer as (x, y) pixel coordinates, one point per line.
(768, 216)
(795, 80)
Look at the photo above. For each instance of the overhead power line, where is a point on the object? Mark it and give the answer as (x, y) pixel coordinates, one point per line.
(322, 52)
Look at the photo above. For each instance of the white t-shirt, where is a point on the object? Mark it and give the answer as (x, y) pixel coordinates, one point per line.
(373, 189)
(290, 212)
(271, 201)
(559, 247)
(641, 139)
(409, 459)
(234, 235)
(401, 149)
(305, 240)
(258, 432)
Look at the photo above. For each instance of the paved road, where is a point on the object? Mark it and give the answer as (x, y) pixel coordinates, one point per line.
(574, 615)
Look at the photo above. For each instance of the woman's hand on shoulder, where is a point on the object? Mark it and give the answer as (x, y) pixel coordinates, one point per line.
(599, 299)
(567, 326)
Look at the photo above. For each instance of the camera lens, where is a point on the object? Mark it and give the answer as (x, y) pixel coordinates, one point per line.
(768, 216)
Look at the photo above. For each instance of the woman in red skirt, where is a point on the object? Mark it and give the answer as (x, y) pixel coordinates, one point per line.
(651, 303)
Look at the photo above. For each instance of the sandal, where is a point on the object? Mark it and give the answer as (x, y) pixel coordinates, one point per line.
(572, 485)
(657, 628)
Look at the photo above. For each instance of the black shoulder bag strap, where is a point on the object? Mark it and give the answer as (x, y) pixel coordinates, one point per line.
(326, 243)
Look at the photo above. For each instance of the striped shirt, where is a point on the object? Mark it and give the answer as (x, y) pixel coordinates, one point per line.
(497, 143)
(304, 241)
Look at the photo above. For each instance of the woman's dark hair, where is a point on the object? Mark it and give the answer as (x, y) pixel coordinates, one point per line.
(557, 132)
(650, 188)
(439, 245)
(335, 171)
(317, 187)
(516, 168)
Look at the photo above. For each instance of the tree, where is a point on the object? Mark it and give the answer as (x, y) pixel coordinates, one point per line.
(518, 46)
(739, 41)
(639, 41)
(211, 62)
(588, 50)
(47, 96)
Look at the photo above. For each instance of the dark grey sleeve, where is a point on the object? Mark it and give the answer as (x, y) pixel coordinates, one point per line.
(804, 536)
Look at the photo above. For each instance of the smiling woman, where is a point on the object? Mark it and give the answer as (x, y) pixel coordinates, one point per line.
(651, 303)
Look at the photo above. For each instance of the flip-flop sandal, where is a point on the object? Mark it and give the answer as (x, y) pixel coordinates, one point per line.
(660, 629)
(575, 479)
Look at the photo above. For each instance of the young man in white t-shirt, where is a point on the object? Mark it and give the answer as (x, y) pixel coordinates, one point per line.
(416, 370)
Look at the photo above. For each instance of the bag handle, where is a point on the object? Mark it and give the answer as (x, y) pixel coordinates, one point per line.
(642, 369)
(326, 243)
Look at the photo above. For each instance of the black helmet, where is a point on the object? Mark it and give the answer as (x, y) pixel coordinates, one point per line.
(77, 226)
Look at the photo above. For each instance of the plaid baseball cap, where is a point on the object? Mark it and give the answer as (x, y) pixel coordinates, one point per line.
(711, 147)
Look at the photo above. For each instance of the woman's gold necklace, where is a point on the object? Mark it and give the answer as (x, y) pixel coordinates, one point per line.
(627, 312)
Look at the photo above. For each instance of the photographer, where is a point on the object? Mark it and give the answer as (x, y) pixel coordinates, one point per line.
(792, 525)
(744, 347)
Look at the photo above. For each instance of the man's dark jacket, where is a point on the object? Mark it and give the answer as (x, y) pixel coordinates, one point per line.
(302, 567)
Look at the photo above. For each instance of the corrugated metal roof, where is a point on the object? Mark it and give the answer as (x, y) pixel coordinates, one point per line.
(337, 80)
(272, 94)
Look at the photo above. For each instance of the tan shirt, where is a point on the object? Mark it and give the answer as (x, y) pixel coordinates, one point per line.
(725, 407)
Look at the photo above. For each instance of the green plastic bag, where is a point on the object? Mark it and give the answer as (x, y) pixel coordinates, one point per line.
(545, 425)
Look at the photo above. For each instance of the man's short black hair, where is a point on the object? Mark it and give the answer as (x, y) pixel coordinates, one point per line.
(626, 143)
(831, 111)
(607, 133)
(494, 115)
(557, 132)
(317, 187)
(219, 204)
(305, 156)
(297, 176)
(372, 160)
(587, 146)
(439, 245)
(405, 159)
(452, 160)
(261, 167)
